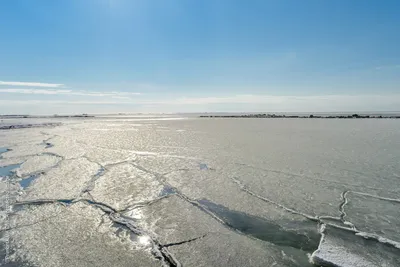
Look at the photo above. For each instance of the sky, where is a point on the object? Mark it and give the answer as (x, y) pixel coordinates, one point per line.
(109, 56)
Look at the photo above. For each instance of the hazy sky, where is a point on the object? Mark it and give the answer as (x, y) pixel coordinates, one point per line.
(86, 56)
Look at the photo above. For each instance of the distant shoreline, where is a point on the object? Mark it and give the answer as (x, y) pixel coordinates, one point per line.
(311, 116)
(44, 116)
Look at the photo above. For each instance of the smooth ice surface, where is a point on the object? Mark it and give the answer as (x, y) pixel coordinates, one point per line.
(115, 191)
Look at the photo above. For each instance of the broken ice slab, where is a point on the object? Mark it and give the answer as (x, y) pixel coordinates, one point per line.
(124, 184)
(66, 181)
(23, 150)
(74, 235)
(197, 238)
(342, 248)
(38, 163)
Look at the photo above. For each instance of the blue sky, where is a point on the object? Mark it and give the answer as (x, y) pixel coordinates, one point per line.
(98, 56)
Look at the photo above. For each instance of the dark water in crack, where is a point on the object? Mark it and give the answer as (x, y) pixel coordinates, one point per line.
(48, 145)
(100, 172)
(65, 201)
(263, 229)
(167, 190)
(24, 183)
(8, 170)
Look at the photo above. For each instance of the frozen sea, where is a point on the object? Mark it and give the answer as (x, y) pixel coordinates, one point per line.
(176, 190)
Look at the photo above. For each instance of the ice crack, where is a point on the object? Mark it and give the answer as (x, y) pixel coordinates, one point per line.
(159, 251)
(184, 242)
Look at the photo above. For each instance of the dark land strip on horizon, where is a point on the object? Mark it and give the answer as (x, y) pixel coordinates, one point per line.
(353, 116)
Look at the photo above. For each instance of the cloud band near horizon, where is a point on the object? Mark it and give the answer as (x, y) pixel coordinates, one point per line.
(235, 103)
(33, 84)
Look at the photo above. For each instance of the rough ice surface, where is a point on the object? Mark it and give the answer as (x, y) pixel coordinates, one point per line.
(156, 191)
(78, 235)
(8, 195)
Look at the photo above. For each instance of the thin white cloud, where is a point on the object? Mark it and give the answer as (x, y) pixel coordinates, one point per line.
(67, 92)
(57, 102)
(33, 84)
(34, 91)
